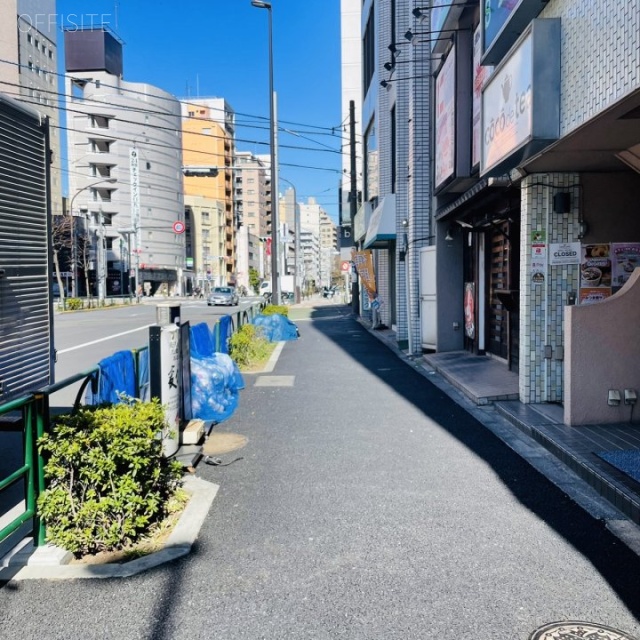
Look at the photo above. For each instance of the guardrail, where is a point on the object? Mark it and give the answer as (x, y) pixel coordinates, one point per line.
(33, 417)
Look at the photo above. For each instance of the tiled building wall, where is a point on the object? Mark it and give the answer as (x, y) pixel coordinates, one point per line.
(383, 29)
(418, 175)
(600, 55)
(542, 303)
(401, 96)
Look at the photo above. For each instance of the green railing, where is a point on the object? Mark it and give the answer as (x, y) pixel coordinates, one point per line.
(35, 418)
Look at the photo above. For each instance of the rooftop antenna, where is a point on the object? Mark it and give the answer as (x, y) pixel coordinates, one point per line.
(115, 9)
(197, 85)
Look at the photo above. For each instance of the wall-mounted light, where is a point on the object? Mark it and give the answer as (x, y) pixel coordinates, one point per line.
(449, 236)
(442, 34)
(613, 398)
(386, 84)
(630, 396)
(419, 12)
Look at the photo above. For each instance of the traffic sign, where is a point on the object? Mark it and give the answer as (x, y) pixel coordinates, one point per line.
(178, 226)
(345, 266)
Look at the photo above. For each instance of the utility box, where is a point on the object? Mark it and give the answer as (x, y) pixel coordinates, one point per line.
(26, 316)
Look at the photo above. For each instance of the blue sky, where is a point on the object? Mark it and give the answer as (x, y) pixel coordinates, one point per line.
(220, 48)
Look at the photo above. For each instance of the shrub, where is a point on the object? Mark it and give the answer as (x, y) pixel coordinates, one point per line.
(73, 304)
(107, 481)
(248, 346)
(270, 309)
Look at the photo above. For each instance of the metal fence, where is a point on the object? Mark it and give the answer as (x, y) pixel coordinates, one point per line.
(31, 415)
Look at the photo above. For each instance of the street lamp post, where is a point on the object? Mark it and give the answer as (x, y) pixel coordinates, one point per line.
(275, 289)
(74, 248)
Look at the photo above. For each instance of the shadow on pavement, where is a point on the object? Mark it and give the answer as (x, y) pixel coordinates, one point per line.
(617, 564)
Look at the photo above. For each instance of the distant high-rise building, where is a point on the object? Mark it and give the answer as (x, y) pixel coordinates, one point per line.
(208, 136)
(252, 189)
(125, 168)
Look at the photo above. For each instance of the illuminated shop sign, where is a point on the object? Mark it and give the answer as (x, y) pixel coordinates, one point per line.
(445, 120)
(521, 100)
(502, 22)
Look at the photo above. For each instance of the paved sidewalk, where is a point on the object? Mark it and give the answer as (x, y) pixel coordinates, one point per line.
(485, 382)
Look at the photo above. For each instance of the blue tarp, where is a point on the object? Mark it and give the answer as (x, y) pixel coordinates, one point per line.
(215, 378)
(117, 376)
(215, 387)
(201, 340)
(225, 331)
(276, 327)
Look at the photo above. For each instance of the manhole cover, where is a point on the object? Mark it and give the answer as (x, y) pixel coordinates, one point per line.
(578, 631)
(218, 443)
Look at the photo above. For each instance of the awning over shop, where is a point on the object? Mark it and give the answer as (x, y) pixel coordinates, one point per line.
(382, 225)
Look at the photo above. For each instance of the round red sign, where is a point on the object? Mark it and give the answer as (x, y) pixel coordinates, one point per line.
(178, 227)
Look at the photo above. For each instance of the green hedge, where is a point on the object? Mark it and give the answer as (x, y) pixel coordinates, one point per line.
(107, 482)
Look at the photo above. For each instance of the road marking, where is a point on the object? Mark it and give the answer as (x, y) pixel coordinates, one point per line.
(274, 381)
(116, 335)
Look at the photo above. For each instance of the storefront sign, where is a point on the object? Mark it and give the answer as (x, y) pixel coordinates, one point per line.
(503, 21)
(564, 253)
(521, 101)
(445, 120)
(480, 76)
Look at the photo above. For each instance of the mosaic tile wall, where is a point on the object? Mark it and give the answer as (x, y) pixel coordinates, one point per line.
(600, 55)
(542, 303)
(418, 174)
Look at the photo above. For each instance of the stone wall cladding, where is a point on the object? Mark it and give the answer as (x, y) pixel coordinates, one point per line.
(542, 305)
(600, 55)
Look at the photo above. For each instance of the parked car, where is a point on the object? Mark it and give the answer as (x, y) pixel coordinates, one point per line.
(223, 296)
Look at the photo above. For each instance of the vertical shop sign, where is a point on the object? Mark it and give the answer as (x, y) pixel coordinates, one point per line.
(470, 310)
(538, 256)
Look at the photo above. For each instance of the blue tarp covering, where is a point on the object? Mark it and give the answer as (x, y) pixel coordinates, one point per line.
(201, 340)
(215, 378)
(215, 387)
(117, 376)
(276, 327)
(225, 331)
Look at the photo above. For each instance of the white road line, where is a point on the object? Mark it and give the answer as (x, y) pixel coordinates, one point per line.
(116, 335)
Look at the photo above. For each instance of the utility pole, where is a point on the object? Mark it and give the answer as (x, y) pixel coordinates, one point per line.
(353, 203)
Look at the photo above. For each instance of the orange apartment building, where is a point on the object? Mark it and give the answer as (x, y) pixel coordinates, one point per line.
(208, 139)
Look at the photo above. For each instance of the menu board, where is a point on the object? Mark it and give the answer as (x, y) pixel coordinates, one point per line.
(595, 273)
(625, 257)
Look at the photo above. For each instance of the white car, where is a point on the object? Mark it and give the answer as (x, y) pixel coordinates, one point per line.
(223, 296)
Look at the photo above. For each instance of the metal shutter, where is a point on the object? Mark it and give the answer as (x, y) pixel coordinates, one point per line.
(25, 303)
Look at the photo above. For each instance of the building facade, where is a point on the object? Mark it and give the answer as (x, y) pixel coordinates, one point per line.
(252, 190)
(29, 71)
(517, 126)
(125, 173)
(208, 135)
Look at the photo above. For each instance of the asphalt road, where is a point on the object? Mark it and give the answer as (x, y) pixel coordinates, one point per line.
(367, 505)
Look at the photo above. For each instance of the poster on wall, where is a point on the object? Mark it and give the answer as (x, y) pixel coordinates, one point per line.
(470, 310)
(561, 253)
(538, 256)
(625, 257)
(595, 273)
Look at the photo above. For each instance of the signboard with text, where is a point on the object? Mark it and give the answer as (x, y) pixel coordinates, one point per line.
(445, 120)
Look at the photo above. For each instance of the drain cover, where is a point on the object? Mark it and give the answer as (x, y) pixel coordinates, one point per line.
(578, 631)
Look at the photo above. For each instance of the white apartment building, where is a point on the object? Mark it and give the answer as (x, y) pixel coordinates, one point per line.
(125, 170)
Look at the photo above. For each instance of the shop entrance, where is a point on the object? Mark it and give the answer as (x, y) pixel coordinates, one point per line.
(502, 302)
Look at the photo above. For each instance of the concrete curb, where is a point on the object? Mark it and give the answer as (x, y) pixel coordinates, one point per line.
(47, 563)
